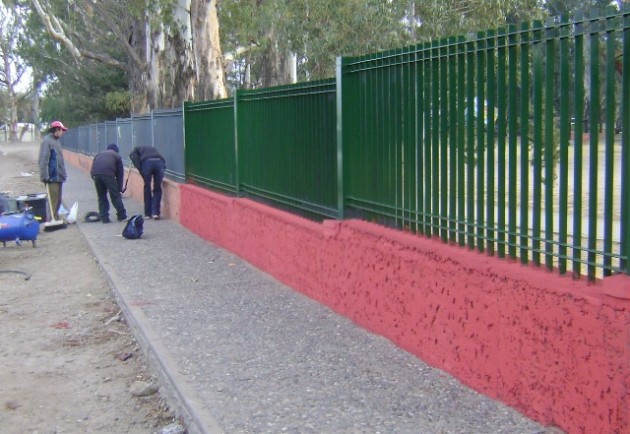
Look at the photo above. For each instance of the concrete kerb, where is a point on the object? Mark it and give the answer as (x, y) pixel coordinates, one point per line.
(182, 399)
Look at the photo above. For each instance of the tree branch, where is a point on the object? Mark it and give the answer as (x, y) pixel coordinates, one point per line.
(118, 33)
(55, 30)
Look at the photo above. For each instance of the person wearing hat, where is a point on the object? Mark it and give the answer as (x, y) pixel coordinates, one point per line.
(52, 168)
(108, 174)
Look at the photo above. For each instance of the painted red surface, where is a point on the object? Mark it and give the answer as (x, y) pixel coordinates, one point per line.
(556, 349)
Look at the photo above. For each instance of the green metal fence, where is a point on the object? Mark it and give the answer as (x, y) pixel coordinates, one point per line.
(286, 148)
(480, 140)
(513, 142)
(210, 144)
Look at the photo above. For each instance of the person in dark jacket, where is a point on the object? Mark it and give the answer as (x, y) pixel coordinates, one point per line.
(151, 166)
(108, 174)
(52, 169)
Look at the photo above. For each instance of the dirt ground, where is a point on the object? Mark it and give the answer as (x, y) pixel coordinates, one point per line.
(68, 358)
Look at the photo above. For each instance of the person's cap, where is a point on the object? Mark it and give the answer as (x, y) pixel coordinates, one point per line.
(58, 124)
(113, 147)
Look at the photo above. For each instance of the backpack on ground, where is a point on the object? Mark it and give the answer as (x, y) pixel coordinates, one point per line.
(134, 227)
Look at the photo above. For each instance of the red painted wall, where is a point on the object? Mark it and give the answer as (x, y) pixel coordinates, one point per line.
(556, 349)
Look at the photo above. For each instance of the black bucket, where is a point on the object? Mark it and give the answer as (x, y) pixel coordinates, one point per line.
(36, 203)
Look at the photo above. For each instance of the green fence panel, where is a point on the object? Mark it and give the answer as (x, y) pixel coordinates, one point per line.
(210, 151)
(287, 146)
(482, 140)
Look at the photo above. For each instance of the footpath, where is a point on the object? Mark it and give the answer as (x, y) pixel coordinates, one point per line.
(238, 352)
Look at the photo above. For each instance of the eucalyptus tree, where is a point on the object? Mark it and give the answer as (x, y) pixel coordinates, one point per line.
(256, 47)
(61, 85)
(262, 37)
(267, 39)
(12, 68)
(169, 50)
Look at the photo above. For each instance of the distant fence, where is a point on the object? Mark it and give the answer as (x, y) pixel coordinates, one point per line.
(479, 140)
(161, 128)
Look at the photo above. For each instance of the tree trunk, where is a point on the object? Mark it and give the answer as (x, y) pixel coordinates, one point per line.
(182, 64)
(276, 66)
(207, 50)
(11, 99)
(35, 106)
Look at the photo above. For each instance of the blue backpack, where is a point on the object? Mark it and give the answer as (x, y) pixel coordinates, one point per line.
(134, 227)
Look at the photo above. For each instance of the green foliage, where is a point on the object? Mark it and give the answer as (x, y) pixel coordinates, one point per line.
(74, 91)
(83, 98)
(570, 7)
(319, 31)
(323, 30)
(118, 103)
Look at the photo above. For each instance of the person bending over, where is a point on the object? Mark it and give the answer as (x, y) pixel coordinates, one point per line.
(151, 166)
(108, 174)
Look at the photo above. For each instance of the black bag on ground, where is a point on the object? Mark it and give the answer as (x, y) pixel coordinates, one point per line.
(134, 227)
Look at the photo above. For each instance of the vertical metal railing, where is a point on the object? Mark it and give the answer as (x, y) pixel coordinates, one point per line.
(496, 142)
(287, 146)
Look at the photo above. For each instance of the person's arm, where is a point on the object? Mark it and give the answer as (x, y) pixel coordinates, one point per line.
(43, 160)
(135, 158)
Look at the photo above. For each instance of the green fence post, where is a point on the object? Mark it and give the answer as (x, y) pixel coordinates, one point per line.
(470, 140)
(435, 137)
(237, 162)
(452, 138)
(610, 141)
(461, 140)
(444, 119)
(513, 88)
(550, 61)
(563, 185)
(501, 139)
(578, 145)
(490, 140)
(625, 146)
(537, 143)
(340, 171)
(524, 135)
(480, 164)
(594, 145)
